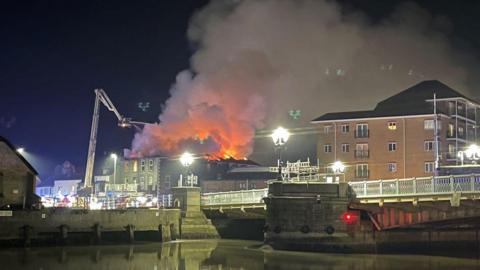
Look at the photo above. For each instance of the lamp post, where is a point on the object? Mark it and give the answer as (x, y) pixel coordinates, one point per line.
(186, 159)
(280, 137)
(338, 168)
(114, 157)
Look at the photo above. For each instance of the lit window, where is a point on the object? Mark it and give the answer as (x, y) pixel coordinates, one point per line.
(392, 167)
(428, 145)
(392, 146)
(345, 128)
(451, 131)
(461, 131)
(345, 147)
(135, 166)
(428, 124)
(392, 125)
(327, 148)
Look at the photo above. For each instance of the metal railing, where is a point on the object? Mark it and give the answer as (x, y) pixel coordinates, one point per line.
(392, 188)
(234, 197)
(361, 133)
(417, 186)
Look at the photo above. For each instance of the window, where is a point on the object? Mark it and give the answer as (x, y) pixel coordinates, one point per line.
(142, 165)
(429, 124)
(429, 167)
(345, 147)
(361, 170)
(327, 148)
(252, 185)
(134, 165)
(451, 131)
(243, 185)
(345, 128)
(392, 146)
(327, 129)
(150, 165)
(168, 183)
(428, 145)
(392, 167)
(461, 132)
(361, 131)
(392, 125)
(361, 150)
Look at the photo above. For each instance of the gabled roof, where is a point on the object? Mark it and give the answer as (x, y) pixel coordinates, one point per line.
(412, 101)
(14, 150)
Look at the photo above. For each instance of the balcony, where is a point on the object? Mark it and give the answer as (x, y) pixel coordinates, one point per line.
(362, 133)
(362, 153)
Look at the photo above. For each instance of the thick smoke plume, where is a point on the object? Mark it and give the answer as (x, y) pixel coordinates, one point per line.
(257, 60)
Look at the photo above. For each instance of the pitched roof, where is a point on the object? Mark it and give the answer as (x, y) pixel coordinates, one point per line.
(14, 150)
(412, 101)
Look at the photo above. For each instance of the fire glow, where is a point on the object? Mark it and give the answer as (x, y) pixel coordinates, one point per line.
(217, 119)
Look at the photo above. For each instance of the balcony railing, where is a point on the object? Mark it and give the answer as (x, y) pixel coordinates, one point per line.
(362, 153)
(362, 133)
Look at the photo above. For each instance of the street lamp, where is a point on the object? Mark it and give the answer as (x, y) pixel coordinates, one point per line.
(280, 137)
(338, 168)
(186, 159)
(20, 150)
(471, 153)
(114, 157)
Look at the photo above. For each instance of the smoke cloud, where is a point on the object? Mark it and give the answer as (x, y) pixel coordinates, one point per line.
(257, 60)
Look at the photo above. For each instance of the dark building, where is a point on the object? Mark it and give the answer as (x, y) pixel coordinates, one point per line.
(17, 178)
(160, 174)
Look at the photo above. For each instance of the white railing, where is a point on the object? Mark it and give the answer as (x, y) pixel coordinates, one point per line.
(417, 186)
(121, 187)
(235, 197)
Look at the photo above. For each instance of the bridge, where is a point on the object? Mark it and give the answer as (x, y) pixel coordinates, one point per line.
(453, 188)
(389, 203)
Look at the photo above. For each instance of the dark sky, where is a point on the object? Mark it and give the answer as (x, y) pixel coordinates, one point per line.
(54, 53)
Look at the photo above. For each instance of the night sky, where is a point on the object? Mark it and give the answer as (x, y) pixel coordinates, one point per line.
(54, 53)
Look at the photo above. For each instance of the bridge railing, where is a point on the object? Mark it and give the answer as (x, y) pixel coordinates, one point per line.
(234, 197)
(417, 186)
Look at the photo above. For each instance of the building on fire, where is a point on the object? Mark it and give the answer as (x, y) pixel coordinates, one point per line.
(397, 138)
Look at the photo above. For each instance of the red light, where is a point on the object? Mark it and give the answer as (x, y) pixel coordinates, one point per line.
(349, 217)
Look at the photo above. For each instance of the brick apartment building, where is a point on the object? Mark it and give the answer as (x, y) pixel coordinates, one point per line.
(397, 138)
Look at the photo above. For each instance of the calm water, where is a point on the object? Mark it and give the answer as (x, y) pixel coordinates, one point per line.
(223, 254)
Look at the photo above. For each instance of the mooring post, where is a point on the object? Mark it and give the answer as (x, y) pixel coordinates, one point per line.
(27, 232)
(130, 232)
(63, 233)
(97, 233)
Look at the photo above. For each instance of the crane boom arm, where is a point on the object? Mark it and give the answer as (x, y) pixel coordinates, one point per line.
(101, 96)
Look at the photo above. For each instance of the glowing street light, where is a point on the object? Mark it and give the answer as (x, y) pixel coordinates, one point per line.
(114, 157)
(280, 137)
(471, 153)
(338, 167)
(21, 150)
(186, 159)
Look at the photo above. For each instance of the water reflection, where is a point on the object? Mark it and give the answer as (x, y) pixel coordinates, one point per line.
(212, 255)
